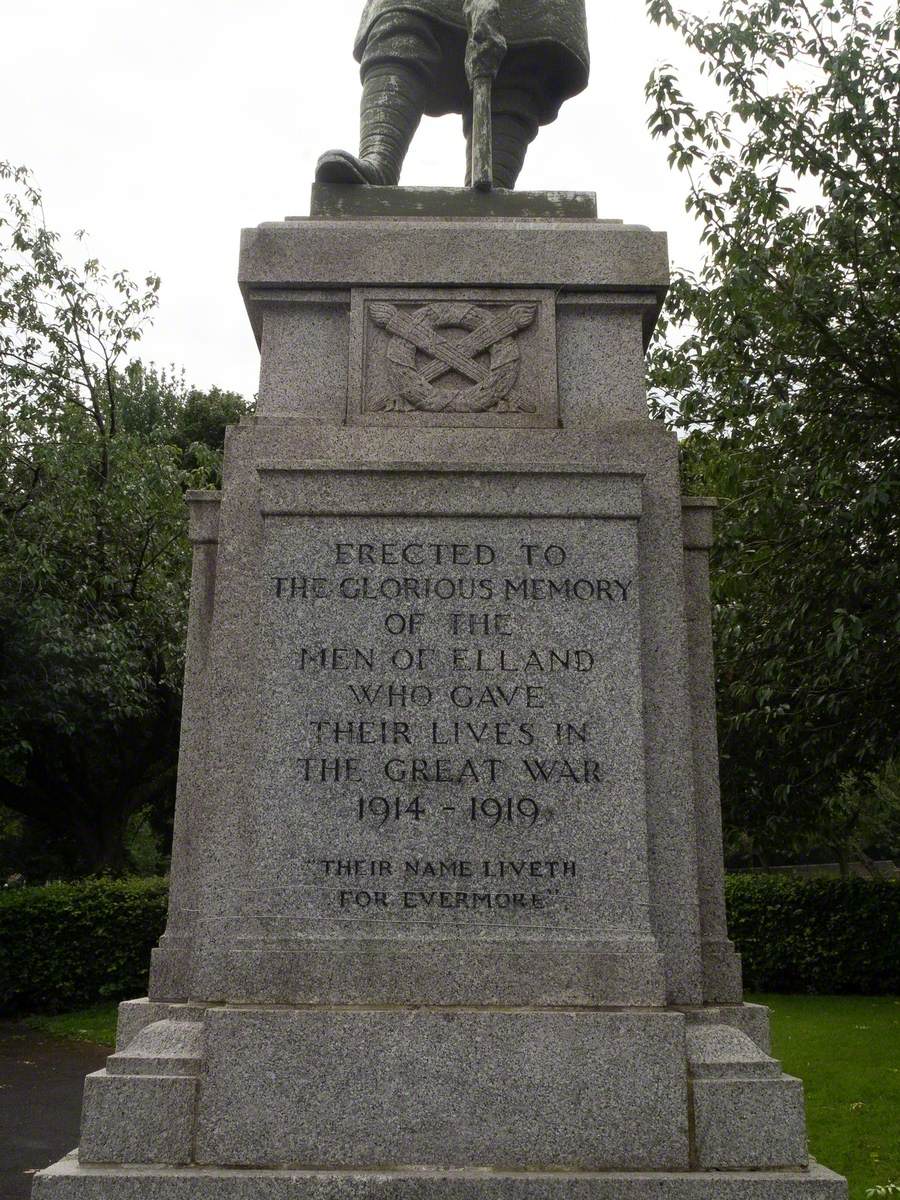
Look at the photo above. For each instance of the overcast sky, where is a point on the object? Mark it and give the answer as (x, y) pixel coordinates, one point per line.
(163, 127)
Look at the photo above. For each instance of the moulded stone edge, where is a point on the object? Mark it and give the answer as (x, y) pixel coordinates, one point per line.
(66, 1179)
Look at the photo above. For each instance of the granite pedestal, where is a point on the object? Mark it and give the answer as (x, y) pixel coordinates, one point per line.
(446, 914)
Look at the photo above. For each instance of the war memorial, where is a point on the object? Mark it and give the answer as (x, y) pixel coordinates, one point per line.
(447, 916)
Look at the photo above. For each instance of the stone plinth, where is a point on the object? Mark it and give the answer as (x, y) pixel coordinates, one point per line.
(68, 1180)
(447, 913)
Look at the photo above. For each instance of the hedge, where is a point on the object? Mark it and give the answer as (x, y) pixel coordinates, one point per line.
(69, 945)
(825, 936)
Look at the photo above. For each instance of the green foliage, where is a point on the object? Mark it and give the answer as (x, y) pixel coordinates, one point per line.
(200, 429)
(95, 453)
(824, 936)
(67, 945)
(29, 852)
(863, 812)
(780, 361)
(158, 408)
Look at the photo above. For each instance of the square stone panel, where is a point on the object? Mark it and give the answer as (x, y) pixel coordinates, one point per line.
(453, 357)
(490, 1089)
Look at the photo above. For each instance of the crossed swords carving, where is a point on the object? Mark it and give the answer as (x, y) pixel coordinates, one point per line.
(459, 355)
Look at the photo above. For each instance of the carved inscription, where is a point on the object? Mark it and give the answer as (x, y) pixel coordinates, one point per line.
(456, 719)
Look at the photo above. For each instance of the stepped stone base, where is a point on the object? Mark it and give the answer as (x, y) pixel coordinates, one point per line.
(216, 1103)
(69, 1181)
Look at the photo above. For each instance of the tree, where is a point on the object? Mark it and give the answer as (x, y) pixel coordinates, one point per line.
(779, 363)
(94, 562)
(863, 813)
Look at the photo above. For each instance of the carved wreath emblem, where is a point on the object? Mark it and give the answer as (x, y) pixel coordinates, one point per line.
(418, 355)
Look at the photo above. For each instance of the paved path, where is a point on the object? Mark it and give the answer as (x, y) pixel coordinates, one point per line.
(41, 1079)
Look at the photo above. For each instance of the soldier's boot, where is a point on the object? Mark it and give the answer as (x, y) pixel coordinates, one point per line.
(392, 104)
(512, 135)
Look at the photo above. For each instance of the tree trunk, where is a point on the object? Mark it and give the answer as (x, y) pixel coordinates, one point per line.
(843, 858)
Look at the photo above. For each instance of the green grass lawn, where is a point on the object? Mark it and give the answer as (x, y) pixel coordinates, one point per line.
(88, 1025)
(846, 1049)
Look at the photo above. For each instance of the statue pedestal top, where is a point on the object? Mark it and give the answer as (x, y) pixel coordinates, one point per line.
(343, 200)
